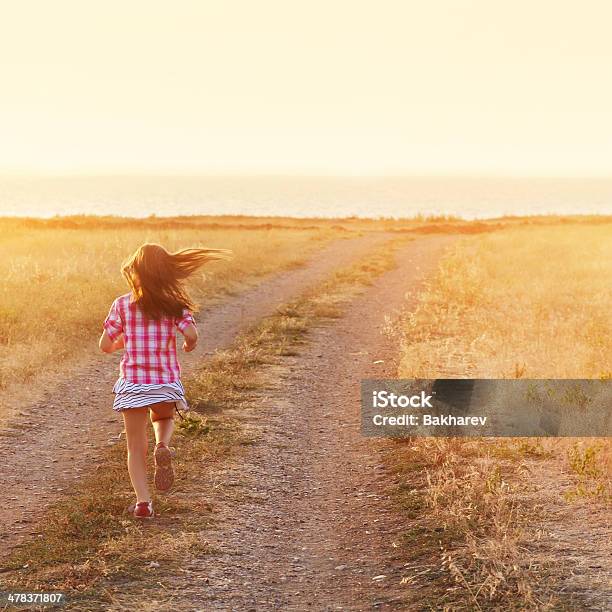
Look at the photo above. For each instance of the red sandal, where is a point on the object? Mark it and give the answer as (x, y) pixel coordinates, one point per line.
(142, 510)
(164, 472)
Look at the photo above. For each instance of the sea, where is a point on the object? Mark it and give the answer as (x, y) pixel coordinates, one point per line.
(283, 196)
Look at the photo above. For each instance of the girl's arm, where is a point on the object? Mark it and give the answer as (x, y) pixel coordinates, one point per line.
(112, 337)
(109, 346)
(190, 334)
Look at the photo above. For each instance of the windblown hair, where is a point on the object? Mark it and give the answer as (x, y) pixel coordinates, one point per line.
(157, 278)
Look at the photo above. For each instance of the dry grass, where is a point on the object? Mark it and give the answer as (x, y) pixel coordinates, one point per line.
(526, 302)
(464, 532)
(87, 545)
(533, 303)
(58, 282)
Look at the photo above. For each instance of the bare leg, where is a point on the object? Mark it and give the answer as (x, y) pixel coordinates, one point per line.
(135, 420)
(162, 417)
(163, 430)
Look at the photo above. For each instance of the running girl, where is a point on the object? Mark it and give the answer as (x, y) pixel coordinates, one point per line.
(144, 322)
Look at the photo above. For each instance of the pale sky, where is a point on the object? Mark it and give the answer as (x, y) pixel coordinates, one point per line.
(308, 87)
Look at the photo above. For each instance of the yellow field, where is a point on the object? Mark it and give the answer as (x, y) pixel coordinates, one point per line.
(58, 282)
(527, 302)
(520, 298)
(532, 302)
(60, 275)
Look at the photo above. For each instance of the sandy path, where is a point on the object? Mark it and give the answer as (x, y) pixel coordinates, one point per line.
(304, 516)
(58, 437)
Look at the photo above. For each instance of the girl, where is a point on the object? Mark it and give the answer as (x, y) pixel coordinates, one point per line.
(144, 323)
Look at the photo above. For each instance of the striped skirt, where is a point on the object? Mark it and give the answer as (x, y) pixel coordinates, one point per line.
(136, 395)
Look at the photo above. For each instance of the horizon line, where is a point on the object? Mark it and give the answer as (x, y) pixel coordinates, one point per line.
(299, 175)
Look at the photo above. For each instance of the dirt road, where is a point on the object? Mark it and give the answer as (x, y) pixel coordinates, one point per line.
(304, 516)
(58, 438)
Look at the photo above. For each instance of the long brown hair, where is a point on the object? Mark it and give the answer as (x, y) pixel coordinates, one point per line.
(157, 277)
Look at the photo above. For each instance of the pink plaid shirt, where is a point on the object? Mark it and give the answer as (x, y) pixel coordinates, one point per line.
(150, 345)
